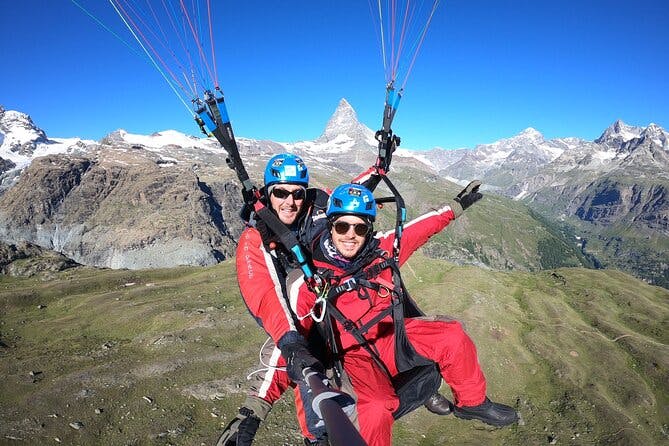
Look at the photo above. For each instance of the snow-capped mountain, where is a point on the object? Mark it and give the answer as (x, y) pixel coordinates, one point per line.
(343, 127)
(504, 162)
(21, 141)
(512, 165)
(620, 177)
(344, 143)
(18, 134)
(618, 134)
(632, 151)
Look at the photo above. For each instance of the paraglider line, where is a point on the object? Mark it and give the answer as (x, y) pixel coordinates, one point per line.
(171, 14)
(402, 38)
(211, 41)
(420, 43)
(383, 42)
(148, 42)
(151, 58)
(165, 41)
(142, 18)
(199, 46)
(133, 49)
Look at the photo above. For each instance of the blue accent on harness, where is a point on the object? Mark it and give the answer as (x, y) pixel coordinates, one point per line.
(390, 96)
(224, 111)
(206, 118)
(396, 103)
(303, 262)
(393, 98)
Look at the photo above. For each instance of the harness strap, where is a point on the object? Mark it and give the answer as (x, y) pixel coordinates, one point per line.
(375, 270)
(213, 116)
(400, 217)
(326, 330)
(361, 279)
(357, 283)
(286, 236)
(406, 356)
(351, 328)
(375, 320)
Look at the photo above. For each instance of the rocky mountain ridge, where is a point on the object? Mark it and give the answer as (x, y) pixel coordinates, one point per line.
(567, 178)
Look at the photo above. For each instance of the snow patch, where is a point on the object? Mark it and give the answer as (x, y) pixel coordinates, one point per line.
(161, 139)
(405, 153)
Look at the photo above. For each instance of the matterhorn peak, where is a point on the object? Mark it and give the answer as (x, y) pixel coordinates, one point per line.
(343, 117)
(344, 121)
(344, 108)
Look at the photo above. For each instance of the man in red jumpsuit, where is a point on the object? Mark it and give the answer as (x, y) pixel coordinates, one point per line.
(349, 248)
(262, 264)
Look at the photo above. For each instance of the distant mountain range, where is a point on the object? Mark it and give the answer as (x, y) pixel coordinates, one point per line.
(164, 199)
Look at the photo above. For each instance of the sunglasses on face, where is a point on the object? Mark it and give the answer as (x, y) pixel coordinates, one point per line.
(342, 227)
(282, 194)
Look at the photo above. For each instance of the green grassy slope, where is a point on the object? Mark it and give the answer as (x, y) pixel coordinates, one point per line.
(160, 356)
(497, 231)
(621, 214)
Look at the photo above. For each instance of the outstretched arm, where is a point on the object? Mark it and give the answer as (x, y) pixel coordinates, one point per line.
(467, 196)
(418, 231)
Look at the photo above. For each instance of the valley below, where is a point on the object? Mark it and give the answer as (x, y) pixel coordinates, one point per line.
(160, 356)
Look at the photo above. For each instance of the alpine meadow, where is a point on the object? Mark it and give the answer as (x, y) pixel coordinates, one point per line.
(155, 355)
(345, 289)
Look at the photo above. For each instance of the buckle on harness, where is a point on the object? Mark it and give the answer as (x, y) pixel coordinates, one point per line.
(349, 285)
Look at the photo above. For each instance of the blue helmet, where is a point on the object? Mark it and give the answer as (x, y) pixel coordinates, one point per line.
(352, 199)
(286, 168)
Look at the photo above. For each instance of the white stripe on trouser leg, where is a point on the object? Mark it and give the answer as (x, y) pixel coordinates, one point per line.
(269, 376)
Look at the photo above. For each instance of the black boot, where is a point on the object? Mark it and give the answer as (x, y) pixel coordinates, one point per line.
(495, 414)
(438, 404)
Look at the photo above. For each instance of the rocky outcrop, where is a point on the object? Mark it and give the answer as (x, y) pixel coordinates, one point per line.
(140, 201)
(6, 165)
(121, 211)
(27, 260)
(608, 203)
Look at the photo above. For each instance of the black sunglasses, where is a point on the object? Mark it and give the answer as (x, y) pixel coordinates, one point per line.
(282, 194)
(342, 227)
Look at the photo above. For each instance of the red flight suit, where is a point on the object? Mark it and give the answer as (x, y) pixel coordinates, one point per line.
(440, 339)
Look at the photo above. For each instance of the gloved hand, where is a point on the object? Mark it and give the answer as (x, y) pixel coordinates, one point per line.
(246, 213)
(241, 430)
(468, 196)
(299, 358)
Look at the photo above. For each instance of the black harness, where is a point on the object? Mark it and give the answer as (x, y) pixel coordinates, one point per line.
(418, 377)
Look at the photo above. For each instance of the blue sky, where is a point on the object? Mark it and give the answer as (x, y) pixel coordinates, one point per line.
(488, 69)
